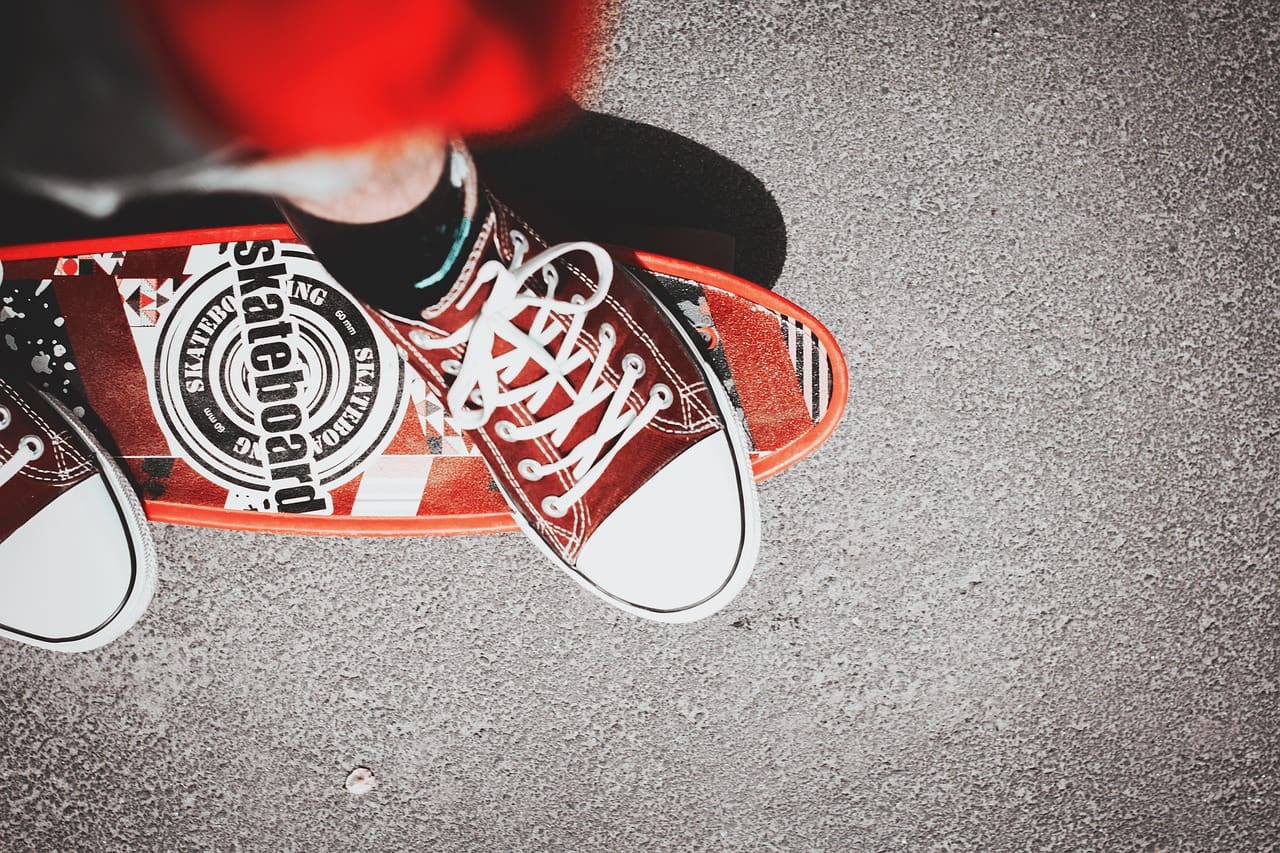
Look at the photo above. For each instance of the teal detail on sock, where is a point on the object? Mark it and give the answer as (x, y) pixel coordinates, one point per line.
(459, 240)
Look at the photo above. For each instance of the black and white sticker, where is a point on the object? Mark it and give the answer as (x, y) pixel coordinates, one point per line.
(270, 378)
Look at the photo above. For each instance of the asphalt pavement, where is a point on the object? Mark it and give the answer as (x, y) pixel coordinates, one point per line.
(1026, 598)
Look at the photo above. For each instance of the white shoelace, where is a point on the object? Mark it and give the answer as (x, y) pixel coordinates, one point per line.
(30, 448)
(476, 393)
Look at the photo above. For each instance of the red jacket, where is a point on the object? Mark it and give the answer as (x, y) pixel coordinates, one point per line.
(291, 75)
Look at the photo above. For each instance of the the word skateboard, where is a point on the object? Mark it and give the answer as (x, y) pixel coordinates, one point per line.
(147, 340)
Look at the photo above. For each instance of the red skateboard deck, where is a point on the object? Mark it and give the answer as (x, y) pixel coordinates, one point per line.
(143, 338)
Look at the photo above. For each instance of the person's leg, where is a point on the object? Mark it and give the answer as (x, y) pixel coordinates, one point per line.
(396, 175)
(396, 239)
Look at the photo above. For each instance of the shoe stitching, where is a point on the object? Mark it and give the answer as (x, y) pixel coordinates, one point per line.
(580, 515)
(683, 385)
(686, 389)
(697, 416)
(57, 474)
(638, 331)
(688, 427)
(464, 278)
(55, 446)
(522, 415)
(56, 442)
(60, 471)
(410, 349)
(65, 447)
(59, 447)
(568, 536)
(614, 376)
(590, 342)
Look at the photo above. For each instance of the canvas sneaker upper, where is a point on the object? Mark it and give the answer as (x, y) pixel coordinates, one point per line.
(600, 423)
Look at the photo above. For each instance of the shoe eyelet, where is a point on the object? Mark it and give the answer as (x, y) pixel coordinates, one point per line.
(633, 364)
(451, 366)
(5, 417)
(662, 394)
(518, 241)
(419, 338)
(550, 276)
(529, 470)
(607, 333)
(577, 299)
(505, 430)
(552, 509)
(33, 446)
(476, 397)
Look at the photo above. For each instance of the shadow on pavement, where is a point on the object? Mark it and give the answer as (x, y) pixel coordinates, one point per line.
(591, 176)
(613, 180)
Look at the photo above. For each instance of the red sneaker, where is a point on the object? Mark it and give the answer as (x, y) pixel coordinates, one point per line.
(612, 441)
(76, 562)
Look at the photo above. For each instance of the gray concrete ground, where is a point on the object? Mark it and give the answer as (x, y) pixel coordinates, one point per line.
(1026, 598)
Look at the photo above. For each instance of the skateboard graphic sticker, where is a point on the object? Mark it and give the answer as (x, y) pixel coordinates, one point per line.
(241, 387)
(267, 377)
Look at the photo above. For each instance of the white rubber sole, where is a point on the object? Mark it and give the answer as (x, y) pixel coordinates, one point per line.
(135, 521)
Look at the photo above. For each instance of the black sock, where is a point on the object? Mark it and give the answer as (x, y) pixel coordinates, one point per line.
(400, 265)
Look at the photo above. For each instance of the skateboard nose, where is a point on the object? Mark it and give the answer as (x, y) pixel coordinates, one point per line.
(67, 570)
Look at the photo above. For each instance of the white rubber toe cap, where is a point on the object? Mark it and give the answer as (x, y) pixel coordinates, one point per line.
(684, 543)
(67, 572)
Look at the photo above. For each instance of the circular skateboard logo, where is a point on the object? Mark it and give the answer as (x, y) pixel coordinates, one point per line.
(271, 379)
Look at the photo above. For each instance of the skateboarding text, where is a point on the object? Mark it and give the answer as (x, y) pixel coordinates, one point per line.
(275, 377)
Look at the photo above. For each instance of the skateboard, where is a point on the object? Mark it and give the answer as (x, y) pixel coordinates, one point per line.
(146, 340)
